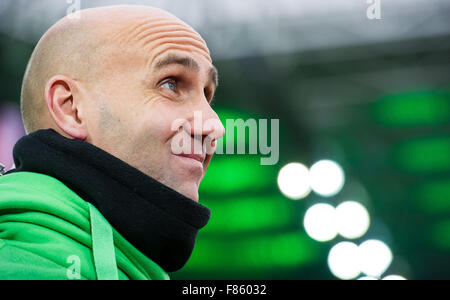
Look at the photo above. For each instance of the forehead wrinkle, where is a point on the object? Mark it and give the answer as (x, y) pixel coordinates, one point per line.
(148, 26)
(134, 30)
(160, 46)
(172, 33)
(167, 29)
(182, 47)
(176, 36)
(150, 65)
(153, 43)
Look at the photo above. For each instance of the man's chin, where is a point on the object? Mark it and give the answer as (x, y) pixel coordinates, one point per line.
(193, 195)
(189, 190)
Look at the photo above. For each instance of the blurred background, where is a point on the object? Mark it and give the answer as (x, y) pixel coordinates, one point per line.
(362, 93)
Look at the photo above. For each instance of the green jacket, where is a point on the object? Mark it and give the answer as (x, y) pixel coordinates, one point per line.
(48, 232)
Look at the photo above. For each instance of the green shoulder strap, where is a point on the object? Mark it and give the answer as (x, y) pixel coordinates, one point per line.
(103, 246)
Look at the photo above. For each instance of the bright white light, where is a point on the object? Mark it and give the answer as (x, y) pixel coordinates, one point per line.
(394, 277)
(343, 260)
(327, 178)
(319, 222)
(375, 257)
(293, 181)
(352, 219)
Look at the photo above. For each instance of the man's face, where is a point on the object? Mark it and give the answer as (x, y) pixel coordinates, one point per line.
(148, 85)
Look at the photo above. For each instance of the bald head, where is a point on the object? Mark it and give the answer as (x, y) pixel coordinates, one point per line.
(119, 78)
(85, 49)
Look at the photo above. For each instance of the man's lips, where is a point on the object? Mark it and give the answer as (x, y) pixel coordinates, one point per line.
(198, 157)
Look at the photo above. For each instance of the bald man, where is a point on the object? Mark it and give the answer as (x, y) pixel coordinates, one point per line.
(116, 105)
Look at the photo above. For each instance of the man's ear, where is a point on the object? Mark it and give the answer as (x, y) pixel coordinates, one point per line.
(64, 104)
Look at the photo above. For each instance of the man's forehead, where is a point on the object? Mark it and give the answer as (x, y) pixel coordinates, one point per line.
(159, 39)
(154, 33)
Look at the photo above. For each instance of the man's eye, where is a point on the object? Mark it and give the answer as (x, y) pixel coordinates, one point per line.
(171, 85)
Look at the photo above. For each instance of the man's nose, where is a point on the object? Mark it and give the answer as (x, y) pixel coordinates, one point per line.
(206, 122)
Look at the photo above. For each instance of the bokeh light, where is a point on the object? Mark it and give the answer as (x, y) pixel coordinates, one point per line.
(293, 181)
(343, 260)
(320, 222)
(375, 257)
(346, 260)
(352, 219)
(327, 178)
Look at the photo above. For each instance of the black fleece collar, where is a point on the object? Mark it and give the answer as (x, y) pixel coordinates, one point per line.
(157, 220)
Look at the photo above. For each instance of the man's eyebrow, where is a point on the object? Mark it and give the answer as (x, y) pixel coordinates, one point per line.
(178, 60)
(189, 63)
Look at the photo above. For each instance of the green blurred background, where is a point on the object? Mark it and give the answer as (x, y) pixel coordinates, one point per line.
(371, 95)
